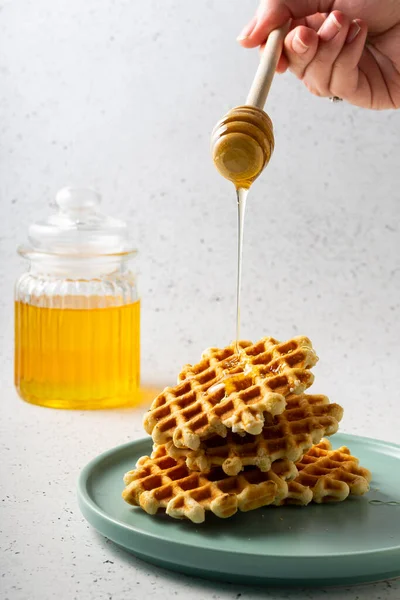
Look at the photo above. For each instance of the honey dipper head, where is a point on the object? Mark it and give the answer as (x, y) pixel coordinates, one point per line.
(242, 143)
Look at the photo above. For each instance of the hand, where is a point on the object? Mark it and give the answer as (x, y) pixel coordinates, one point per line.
(345, 48)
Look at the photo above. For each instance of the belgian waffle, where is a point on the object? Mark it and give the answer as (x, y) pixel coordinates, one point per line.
(230, 389)
(329, 475)
(160, 481)
(304, 422)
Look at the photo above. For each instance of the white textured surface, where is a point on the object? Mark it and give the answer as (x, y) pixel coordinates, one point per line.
(122, 95)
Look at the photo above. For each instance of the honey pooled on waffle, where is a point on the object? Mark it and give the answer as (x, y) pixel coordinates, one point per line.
(199, 407)
(77, 310)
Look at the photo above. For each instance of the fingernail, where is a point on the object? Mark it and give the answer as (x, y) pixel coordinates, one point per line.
(247, 31)
(330, 28)
(298, 45)
(353, 32)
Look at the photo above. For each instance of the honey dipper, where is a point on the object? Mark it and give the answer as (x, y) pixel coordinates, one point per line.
(242, 142)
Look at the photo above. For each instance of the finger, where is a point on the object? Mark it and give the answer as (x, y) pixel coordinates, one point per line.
(315, 21)
(332, 37)
(274, 13)
(246, 32)
(347, 81)
(300, 47)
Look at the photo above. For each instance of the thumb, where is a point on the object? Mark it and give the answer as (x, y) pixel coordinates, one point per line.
(274, 13)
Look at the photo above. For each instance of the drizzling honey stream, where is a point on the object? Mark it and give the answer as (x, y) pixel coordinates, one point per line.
(242, 142)
(242, 145)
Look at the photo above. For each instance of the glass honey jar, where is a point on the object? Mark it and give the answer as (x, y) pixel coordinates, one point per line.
(77, 309)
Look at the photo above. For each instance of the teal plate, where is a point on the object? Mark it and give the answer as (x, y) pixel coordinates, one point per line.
(333, 544)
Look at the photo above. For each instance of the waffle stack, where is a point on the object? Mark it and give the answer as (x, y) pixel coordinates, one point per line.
(238, 432)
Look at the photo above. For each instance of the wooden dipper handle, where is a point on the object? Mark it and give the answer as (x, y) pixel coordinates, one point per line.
(267, 67)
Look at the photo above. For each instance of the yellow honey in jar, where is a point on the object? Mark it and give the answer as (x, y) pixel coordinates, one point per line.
(78, 358)
(77, 310)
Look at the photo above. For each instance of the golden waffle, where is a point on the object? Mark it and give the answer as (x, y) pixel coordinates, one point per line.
(163, 482)
(328, 475)
(232, 390)
(304, 422)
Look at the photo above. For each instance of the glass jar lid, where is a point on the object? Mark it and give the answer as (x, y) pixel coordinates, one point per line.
(79, 228)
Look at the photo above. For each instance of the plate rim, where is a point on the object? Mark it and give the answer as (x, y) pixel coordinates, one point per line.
(84, 497)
